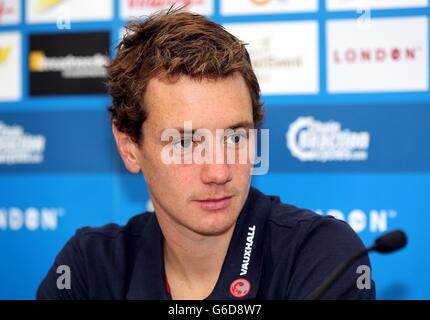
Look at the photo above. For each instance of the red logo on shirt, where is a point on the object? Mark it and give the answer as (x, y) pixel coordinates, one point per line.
(240, 288)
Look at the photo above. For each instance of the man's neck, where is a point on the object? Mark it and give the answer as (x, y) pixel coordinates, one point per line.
(193, 262)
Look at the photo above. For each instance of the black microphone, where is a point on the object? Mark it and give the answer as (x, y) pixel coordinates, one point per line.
(386, 243)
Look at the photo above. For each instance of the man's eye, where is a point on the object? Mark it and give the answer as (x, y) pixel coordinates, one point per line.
(236, 138)
(183, 144)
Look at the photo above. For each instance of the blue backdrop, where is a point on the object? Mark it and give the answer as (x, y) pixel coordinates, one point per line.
(71, 175)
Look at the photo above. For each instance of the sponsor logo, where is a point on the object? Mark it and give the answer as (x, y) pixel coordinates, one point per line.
(162, 4)
(42, 5)
(69, 63)
(312, 140)
(239, 288)
(374, 220)
(9, 11)
(263, 57)
(5, 9)
(282, 64)
(30, 219)
(380, 4)
(378, 55)
(10, 66)
(383, 57)
(248, 250)
(60, 11)
(136, 8)
(262, 2)
(243, 7)
(4, 54)
(69, 66)
(19, 147)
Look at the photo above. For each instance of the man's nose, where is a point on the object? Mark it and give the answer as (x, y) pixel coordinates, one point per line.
(217, 170)
(217, 173)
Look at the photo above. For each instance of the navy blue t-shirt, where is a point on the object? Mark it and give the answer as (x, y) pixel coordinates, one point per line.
(277, 251)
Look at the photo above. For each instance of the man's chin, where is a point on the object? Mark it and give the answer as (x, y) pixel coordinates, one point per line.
(213, 228)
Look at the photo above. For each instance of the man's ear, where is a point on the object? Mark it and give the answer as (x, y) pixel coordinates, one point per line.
(127, 149)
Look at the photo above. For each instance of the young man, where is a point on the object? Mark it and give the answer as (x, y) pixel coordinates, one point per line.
(211, 235)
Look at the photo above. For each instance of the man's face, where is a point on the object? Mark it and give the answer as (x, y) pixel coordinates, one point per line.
(205, 198)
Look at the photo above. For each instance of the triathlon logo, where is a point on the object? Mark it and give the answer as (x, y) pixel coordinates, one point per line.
(312, 140)
(240, 288)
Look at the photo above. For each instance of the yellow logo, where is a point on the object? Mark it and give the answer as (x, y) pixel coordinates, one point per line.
(43, 5)
(260, 2)
(4, 53)
(35, 61)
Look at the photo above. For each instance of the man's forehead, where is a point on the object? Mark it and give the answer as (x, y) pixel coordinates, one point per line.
(158, 84)
(227, 105)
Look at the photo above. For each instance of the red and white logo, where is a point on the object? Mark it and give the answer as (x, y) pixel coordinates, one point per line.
(338, 5)
(387, 55)
(10, 11)
(4, 9)
(239, 288)
(246, 7)
(377, 54)
(130, 9)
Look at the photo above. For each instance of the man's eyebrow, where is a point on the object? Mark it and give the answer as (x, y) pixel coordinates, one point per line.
(241, 124)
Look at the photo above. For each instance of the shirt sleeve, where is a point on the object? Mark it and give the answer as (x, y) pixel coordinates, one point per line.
(327, 243)
(71, 262)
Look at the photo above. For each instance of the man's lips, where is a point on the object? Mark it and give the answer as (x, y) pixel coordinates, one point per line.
(215, 203)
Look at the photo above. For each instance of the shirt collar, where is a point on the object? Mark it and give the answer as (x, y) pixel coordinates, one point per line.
(147, 280)
(244, 255)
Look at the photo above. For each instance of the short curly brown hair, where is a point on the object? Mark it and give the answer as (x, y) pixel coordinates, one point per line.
(171, 44)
